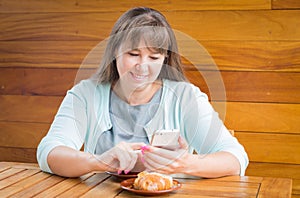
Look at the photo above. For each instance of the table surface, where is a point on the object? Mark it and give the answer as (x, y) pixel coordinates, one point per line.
(27, 180)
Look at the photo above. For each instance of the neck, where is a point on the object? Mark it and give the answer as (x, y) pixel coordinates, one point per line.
(137, 96)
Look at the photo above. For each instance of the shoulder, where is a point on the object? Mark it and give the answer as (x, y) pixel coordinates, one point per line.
(183, 88)
(89, 85)
(87, 90)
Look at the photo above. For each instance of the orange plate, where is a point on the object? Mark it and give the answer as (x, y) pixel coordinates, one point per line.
(123, 175)
(128, 185)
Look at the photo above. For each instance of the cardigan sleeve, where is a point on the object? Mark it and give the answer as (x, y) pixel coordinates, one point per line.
(205, 131)
(68, 128)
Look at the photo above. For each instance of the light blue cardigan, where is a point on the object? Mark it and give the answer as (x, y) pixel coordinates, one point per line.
(84, 115)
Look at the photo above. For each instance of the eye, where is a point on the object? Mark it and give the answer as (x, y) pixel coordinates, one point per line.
(133, 53)
(154, 57)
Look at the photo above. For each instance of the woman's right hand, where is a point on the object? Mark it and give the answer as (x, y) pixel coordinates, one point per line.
(121, 157)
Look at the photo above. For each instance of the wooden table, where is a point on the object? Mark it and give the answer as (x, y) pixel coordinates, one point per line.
(26, 180)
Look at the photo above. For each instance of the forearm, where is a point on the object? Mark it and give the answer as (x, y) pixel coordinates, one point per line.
(68, 162)
(213, 165)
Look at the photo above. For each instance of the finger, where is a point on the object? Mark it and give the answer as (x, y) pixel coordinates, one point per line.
(183, 144)
(124, 159)
(137, 146)
(163, 152)
(162, 161)
(134, 157)
(151, 165)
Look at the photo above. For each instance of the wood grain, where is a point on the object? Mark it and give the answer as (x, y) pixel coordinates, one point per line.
(11, 154)
(28, 108)
(240, 116)
(25, 183)
(273, 87)
(83, 188)
(22, 134)
(276, 170)
(248, 86)
(206, 25)
(253, 45)
(285, 4)
(16, 177)
(39, 187)
(97, 6)
(271, 187)
(271, 147)
(233, 186)
(261, 117)
(204, 55)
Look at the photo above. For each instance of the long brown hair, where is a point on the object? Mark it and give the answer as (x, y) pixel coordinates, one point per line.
(136, 24)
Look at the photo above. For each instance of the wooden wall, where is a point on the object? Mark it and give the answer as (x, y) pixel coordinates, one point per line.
(256, 45)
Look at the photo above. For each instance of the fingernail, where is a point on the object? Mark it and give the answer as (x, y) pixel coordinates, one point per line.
(119, 172)
(146, 147)
(143, 148)
(143, 160)
(126, 171)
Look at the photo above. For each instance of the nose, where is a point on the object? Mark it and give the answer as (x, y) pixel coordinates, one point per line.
(142, 65)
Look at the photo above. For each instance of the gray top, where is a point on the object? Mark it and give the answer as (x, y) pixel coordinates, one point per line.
(127, 122)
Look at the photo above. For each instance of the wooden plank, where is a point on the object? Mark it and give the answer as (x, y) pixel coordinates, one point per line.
(260, 117)
(11, 80)
(296, 187)
(51, 54)
(108, 188)
(63, 186)
(17, 177)
(39, 187)
(17, 154)
(4, 165)
(29, 108)
(282, 170)
(49, 82)
(22, 135)
(206, 25)
(273, 187)
(271, 147)
(9, 172)
(264, 86)
(285, 4)
(8, 6)
(22, 184)
(276, 170)
(85, 186)
(240, 116)
(227, 55)
(241, 55)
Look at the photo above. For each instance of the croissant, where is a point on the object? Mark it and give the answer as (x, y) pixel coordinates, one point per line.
(152, 181)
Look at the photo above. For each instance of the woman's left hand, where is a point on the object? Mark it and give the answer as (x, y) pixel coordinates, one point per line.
(167, 161)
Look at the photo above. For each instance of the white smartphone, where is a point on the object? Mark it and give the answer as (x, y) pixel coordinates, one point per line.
(167, 139)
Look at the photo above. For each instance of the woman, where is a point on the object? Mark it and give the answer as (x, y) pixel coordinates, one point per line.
(138, 89)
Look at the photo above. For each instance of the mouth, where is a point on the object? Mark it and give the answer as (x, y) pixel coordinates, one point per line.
(139, 77)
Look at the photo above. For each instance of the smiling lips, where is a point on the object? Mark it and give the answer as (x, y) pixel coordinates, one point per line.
(139, 77)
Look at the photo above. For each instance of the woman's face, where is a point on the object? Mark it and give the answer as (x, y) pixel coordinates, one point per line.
(139, 68)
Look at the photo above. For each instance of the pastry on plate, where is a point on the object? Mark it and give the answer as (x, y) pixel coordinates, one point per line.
(152, 181)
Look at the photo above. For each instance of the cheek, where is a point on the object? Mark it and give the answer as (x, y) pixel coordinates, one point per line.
(123, 65)
(156, 68)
